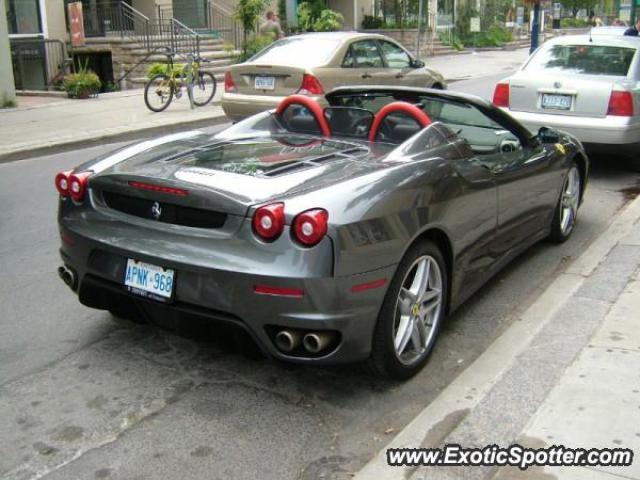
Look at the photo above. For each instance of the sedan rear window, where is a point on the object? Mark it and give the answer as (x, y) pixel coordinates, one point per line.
(303, 52)
(584, 59)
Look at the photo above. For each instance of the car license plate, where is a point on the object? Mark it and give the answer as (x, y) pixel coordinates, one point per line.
(265, 83)
(148, 280)
(558, 102)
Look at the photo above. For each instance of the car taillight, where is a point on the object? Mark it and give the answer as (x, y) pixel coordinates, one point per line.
(78, 185)
(62, 183)
(268, 221)
(310, 85)
(620, 104)
(501, 95)
(311, 226)
(229, 84)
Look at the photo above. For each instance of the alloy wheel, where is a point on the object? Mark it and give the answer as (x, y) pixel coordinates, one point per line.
(417, 310)
(570, 201)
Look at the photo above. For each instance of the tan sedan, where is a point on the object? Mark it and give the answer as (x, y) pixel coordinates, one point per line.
(314, 63)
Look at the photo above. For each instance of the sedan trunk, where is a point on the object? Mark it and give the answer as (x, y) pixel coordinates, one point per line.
(577, 95)
(270, 80)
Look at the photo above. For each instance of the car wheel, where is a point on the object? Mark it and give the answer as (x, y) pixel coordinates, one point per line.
(411, 314)
(566, 213)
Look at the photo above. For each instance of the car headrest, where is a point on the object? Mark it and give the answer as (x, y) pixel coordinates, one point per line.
(398, 107)
(402, 131)
(311, 105)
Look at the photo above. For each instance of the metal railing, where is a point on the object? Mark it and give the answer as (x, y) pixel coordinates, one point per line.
(114, 18)
(38, 63)
(215, 21)
(172, 34)
(225, 25)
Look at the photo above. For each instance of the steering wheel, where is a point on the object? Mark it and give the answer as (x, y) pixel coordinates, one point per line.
(394, 107)
(309, 104)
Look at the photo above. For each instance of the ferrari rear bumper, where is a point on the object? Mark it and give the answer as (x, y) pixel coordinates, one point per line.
(346, 307)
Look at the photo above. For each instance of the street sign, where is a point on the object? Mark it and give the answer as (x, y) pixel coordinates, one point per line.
(520, 15)
(475, 24)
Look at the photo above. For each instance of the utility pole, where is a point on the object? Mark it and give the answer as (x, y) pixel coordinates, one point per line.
(535, 26)
(7, 86)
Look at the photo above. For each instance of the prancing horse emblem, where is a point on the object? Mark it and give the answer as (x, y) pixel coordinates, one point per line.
(156, 210)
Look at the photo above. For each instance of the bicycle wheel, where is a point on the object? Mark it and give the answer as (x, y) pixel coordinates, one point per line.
(204, 88)
(158, 92)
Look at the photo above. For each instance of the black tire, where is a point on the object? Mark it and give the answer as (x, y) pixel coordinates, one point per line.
(384, 361)
(158, 93)
(204, 88)
(559, 231)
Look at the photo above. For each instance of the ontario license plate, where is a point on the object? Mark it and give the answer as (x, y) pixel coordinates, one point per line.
(558, 102)
(265, 83)
(148, 280)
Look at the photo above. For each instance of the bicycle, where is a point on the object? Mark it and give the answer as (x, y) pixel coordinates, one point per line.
(161, 88)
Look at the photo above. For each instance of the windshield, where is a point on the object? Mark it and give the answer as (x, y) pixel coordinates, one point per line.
(299, 51)
(584, 59)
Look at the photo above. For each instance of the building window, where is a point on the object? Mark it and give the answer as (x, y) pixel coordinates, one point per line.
(23, 17)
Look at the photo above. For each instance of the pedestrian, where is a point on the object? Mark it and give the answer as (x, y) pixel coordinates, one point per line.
(618, 23)
(271, 26)
(633, 31)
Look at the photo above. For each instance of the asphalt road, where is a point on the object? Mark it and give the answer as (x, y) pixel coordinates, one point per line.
(83, 396)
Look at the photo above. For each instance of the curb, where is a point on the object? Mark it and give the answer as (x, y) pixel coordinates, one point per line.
(25, 153)
(472, 385)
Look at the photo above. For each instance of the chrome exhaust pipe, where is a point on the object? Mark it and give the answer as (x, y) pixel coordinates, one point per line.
(316, 342)
(67, 276)
(287, 340)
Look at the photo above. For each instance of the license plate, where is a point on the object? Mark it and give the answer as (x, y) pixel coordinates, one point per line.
(148, 280)
(265, 83)
(558, 102)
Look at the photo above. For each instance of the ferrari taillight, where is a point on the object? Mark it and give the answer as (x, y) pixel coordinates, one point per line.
(268, 221)
(310, 85)
(620, 104)
(501, 95)
(78, 185)
(310, 227)
(62, 183)
(229, 84)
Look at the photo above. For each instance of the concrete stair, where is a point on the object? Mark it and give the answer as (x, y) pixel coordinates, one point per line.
(132, 57)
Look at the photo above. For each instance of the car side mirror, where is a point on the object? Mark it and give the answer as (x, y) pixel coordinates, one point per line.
(548, 135)
(417, 63)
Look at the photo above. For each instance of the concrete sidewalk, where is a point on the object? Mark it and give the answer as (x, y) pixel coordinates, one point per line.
(64, 123)
(568, 373)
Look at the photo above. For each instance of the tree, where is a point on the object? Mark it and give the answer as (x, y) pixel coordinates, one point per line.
(576, 5)
(248, 12)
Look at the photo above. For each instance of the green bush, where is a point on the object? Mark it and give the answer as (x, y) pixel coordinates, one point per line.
(254, 45)
(329, 21)
(312, 17)
(83, 83)
(370, 22)
(573, 23)
(163, 68)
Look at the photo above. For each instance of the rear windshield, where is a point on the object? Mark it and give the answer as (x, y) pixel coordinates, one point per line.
(584, 59)
(298, 51)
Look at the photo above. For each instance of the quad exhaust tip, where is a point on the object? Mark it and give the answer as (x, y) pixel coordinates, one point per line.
(287, 340)
(313, 342)
(68, 276)
(316, 342)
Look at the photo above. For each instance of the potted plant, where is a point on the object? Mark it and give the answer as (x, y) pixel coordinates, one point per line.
(83, 83)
